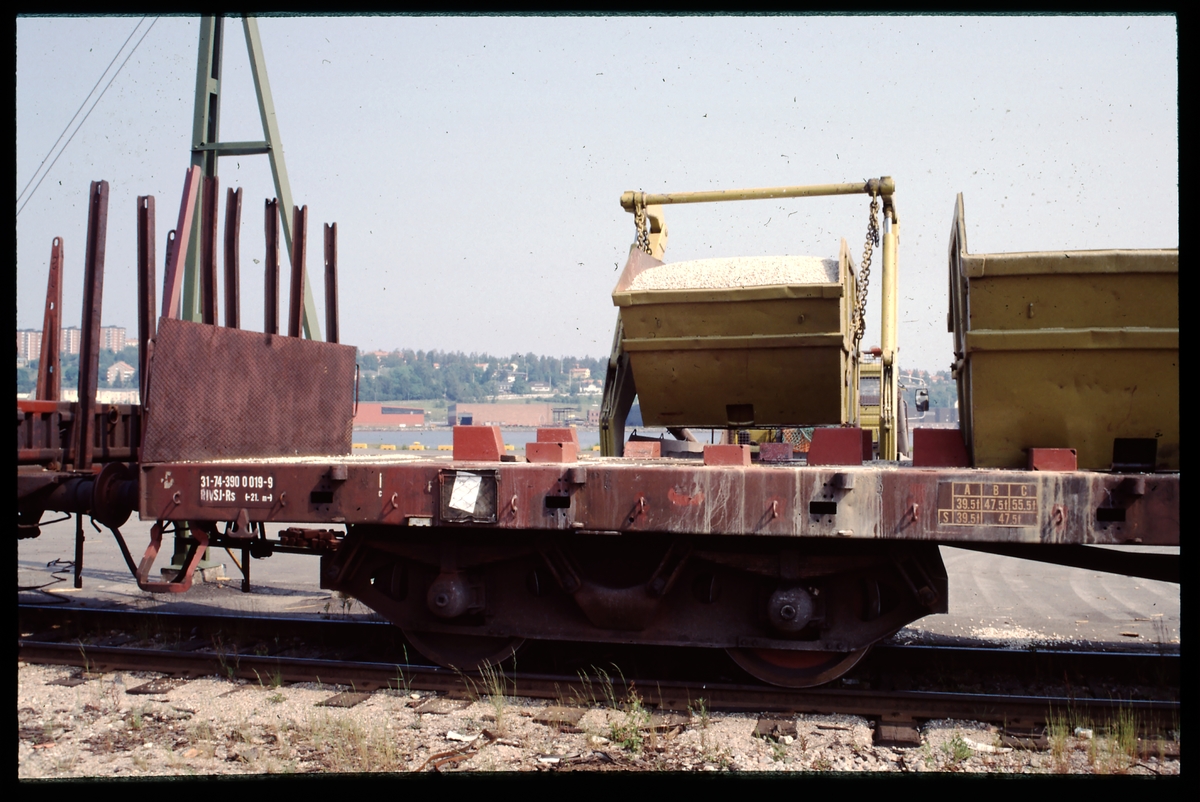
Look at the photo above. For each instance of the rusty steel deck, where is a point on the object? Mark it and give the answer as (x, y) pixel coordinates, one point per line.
(679, 496)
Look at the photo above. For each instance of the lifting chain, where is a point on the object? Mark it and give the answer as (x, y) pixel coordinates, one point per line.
(639, 220)
(864, 280)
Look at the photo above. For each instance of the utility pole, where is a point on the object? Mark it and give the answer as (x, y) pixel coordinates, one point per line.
(207, 148)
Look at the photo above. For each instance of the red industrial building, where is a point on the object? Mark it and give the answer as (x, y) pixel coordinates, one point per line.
(376, 415)
(502, 414)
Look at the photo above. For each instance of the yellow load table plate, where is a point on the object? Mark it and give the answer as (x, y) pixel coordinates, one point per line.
(763, 340)
(1065, 349)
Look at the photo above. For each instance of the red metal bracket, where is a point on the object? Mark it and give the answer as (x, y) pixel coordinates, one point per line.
(726, 454)
(271, 270)
(49, 382)
(643, 449)
(478, 443)
(1052, 459)
(183, 581)
(89, 343)
(299, 252)
(177, 242)
(233, 230)
(558, 434)
(552, 452)
(837, 446)
(209, 203)
(331, 298)
(147, 306)
(939, 448)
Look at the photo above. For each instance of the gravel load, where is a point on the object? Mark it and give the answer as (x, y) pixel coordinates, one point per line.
(742, 271)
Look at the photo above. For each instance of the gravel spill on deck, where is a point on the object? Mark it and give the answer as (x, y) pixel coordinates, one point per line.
(745, 271)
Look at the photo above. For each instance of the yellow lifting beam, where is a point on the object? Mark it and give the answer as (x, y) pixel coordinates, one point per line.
(650, 203)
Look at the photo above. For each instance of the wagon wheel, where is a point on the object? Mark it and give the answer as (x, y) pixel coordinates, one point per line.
(806, 668)
(795, 668)
(463, 652)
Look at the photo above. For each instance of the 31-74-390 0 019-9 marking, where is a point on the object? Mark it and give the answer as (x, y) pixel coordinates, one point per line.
(237, 489)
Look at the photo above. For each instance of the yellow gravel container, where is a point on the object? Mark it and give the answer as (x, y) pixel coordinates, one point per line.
(708, 352)
(1065, 349)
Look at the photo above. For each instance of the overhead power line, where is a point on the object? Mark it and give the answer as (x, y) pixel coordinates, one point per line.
(85, 116)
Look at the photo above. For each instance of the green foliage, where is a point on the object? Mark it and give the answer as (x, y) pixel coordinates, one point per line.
(628, 729)
(406, 375)
(957, 750)
(69, 368)
(27, 378)
(943, 389)
(1123, 733)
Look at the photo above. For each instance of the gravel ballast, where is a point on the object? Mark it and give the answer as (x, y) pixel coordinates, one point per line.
(212, 726)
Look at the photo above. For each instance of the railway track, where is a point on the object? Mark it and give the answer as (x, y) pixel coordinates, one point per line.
(1016, 689)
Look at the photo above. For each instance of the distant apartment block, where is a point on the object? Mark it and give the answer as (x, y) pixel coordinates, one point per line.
(72, 337)
(29, 341)
(112, 338)
(29, 344)
(121, 370)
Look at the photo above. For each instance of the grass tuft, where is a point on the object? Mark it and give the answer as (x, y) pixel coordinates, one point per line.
(628, 729)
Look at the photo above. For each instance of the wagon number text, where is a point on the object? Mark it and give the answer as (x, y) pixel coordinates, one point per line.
(240, 489)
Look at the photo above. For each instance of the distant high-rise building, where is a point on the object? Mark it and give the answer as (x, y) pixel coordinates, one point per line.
(71, 337)
(29, 341)
(29, 344)
(112, 338)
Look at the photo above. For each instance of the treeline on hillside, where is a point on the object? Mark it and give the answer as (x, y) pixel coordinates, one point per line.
(943, 389)
(69, 367)
(404, 375)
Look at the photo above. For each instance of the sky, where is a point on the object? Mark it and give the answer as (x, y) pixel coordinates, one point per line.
(474, 165)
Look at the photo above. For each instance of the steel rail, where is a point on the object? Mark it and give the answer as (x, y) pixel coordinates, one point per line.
(892, 706)
(1126, 665)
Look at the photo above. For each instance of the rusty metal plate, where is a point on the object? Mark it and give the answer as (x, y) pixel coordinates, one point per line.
(223, 393)
(677, 497)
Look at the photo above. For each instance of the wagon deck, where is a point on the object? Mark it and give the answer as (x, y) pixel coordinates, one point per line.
(873, 500)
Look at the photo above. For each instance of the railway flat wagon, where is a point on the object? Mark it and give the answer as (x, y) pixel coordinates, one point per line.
(795, 564)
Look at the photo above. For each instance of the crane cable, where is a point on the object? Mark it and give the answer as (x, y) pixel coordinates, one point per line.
(89, 113)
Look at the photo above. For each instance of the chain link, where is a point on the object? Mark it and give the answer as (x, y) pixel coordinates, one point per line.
(639, 220)
(864, 280)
